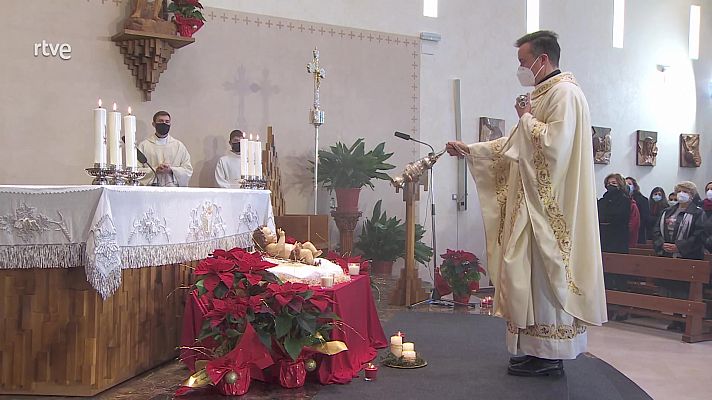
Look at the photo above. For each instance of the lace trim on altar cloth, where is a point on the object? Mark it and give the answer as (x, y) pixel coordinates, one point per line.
(549, 331)
(43, 256)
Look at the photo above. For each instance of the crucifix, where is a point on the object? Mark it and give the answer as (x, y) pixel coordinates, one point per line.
(316, 115)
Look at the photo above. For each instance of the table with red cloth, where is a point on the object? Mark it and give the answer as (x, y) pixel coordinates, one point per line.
(360, 329)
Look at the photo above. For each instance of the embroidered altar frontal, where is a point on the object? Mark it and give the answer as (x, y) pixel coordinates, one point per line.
(88, 277)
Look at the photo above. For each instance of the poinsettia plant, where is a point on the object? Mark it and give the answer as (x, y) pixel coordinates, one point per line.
(460, 269)
(187, 9)
(294, 317)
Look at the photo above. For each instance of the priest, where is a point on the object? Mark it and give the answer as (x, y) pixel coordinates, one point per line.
(166, 155)
(537, 193)
(228, 171)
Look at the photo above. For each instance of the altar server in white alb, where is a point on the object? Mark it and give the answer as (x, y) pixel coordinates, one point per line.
(168, 156)
(537, 194)
(228, 172)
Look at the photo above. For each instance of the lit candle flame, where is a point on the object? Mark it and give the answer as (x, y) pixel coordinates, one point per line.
(258, 138)
(129, 110)
(114, 106)
(99, 103)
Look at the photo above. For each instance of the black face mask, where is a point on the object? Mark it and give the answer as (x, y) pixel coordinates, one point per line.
(612, 189)
(162, 129)
(235, 147)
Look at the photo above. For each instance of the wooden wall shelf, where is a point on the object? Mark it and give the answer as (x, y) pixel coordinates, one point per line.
(147, 55)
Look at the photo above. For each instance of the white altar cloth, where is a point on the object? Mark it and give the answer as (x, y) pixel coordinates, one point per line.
(108, 228)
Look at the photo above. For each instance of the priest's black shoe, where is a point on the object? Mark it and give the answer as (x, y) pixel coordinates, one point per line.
(537, 367)
(514, 360)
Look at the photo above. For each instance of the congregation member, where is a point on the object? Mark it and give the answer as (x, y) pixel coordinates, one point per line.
(679, 232)
(614, 210)
(543, 254)
(166, 155)
(672, 199)
(707, 208)
(643, 208)
(658, 202)
(228, 170)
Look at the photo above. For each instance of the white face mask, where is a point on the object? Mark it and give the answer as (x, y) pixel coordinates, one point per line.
(672, 203)
(683, 197)
(526, 76)
(709, 194)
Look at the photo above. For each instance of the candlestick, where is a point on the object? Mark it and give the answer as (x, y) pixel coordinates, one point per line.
(100, 135)
(130, 137)
(114, 138)
(408, 346)
(258, 158)
(354, 269)
(371, 372)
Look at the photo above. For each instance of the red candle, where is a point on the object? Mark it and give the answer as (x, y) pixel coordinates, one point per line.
(371, 372)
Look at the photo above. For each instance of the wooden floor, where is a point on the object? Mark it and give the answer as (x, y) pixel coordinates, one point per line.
(57, 336)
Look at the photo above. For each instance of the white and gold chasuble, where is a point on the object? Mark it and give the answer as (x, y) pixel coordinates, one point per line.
(543, 246)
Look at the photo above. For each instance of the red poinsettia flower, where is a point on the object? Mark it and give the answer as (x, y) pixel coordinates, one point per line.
(245, 261)
(235, 306)
(217, 270)
(321, 301)
(194, 3)
(287, 294)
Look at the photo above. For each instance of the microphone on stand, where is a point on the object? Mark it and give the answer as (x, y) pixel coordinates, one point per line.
(143, 160)
(406, 136)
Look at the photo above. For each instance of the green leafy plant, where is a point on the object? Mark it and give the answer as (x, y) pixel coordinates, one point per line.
(351, 166)
(383, 238)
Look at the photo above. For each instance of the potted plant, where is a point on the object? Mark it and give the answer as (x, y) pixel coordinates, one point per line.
(461, 270)
(187, 16)
(346, 169)
(382, 240)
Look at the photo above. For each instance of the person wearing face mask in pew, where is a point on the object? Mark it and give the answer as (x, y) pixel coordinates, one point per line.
(168, 156)
(679, 231)
(707, 223)
(658, 202)
(228, 171)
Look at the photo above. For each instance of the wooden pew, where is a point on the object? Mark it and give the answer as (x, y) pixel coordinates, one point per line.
(694, 271)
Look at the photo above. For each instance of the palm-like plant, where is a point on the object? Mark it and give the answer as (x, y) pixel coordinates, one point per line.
(351, 166)
(383, 238)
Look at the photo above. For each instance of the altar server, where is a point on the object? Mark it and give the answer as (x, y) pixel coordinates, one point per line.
(166, 155)
(228, 172)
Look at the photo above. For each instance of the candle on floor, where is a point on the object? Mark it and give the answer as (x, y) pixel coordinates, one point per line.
(371, 372)
(396, 345)
(409, 356)
(354, 269)
(408, 346)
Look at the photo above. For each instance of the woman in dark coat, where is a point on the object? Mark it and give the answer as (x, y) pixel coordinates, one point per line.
(643, 207)
(613, 215)
(679, 232)
(707, 223)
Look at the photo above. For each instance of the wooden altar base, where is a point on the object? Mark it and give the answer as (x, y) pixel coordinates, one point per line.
(57, 336)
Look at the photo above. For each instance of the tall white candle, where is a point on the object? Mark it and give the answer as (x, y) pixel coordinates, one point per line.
(114, 137)
(251, 157)
(130, 137)
(99, 135)
(244, 151)
(258, 157)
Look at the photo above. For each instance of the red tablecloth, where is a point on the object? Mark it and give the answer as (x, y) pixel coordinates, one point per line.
(361, 331)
